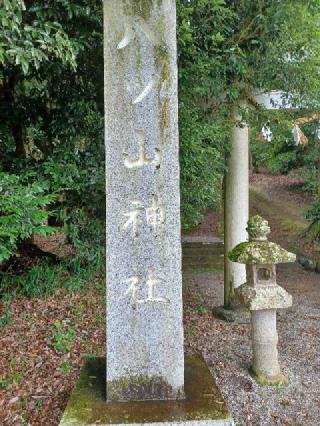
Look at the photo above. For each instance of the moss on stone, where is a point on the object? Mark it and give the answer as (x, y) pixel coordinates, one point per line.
(262, 379)
(141, 388)
(139, 63)
(141, 8)
(260, 252)
(163, 65)
(164, 118)
(88, 406)
(258, 228)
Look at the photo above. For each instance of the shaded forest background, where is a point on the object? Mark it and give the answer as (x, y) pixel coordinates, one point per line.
(52, 170)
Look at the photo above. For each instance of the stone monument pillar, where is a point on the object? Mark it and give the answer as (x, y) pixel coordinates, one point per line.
(145, 358)
(146, 379)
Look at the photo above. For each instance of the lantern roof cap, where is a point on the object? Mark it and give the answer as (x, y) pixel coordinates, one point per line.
(258, 250)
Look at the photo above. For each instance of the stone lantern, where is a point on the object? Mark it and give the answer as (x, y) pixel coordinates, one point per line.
(262, 296)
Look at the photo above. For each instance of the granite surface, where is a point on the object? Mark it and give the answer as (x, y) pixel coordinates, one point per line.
(260, 298)
(144, 301)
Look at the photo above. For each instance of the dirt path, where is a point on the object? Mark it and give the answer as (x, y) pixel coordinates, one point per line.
(280, 200)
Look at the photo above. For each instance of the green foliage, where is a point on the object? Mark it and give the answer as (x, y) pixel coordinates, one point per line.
(202, 141)
(313, 214)
(41, 280)
(261, 153)
(44, 279)
(88, 239)
(312, 176)
(282, 156)
(202, 164)
(21, 212)
(80, 179)
(14, 378)
(5, 318)
(66, 367)
(51, 101)
(227, 51)
(38, 404)
(72, 274)
(4, 382)
(279, 156)
(62, 337)
(311, 170)
(282, 162)
(40, 114)
(31, 33)
(235, 48)
(202, 309)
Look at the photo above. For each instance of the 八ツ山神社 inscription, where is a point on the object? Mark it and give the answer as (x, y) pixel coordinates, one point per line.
(134, 286)
(154, 216)
(139, 24)
(144, 303)
(142, 159)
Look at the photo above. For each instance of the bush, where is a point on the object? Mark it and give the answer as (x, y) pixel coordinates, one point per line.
(21, 211)
(312, 167)
(313, 214)
(202, 164)
(281, 154)
(282, 162)
(73, 275)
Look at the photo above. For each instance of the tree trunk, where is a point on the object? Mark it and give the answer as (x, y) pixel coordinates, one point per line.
(14, 122)
(19, 139)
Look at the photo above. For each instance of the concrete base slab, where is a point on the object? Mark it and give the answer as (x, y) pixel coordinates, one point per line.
(203, 404)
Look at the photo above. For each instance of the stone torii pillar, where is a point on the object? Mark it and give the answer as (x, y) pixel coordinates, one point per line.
(236, 196)
(236, 205)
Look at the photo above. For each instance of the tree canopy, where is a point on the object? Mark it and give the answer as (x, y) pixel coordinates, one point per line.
(228, 52)
(51, 92)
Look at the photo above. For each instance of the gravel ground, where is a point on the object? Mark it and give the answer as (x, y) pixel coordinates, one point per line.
(227, 350)
(227, 347)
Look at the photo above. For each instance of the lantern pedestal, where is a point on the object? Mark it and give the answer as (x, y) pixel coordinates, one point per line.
(265, 366)
(263, 296)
